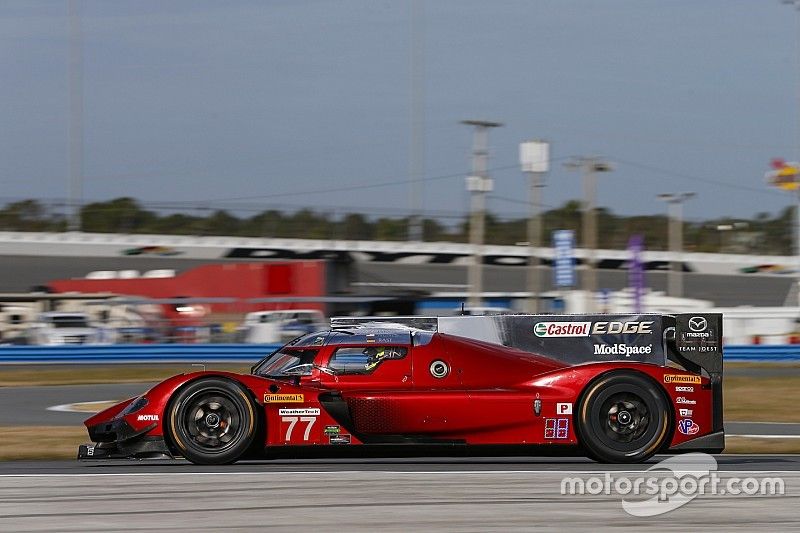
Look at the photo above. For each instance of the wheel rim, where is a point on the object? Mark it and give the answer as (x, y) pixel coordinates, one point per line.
(643, 419)
(626, 417)
(211, 421)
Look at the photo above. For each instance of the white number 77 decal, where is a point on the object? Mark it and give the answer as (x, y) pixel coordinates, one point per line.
(292, 420)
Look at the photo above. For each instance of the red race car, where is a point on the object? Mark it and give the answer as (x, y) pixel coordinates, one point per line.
(618, 388)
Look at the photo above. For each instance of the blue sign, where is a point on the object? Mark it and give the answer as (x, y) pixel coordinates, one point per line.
(564, 245)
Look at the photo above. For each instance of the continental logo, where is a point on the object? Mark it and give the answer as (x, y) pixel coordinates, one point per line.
(680, 378)
(584, 329)
(284, 398)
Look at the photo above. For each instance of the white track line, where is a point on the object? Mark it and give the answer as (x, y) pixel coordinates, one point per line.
(764, 436)
(393, 472)
(73, 407)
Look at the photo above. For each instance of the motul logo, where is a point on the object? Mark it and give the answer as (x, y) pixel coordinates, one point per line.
(562, 329)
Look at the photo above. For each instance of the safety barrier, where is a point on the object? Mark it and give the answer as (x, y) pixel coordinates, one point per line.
(136, 353)
(768, 353)
(249, 353)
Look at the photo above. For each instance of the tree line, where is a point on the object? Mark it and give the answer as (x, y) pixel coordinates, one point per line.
(763, 234)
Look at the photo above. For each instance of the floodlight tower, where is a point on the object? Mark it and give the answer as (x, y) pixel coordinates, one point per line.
(478, 184)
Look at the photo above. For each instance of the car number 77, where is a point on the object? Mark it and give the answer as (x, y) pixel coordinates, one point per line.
(292, 420)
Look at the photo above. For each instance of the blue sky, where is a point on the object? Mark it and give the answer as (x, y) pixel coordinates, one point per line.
(270, 102)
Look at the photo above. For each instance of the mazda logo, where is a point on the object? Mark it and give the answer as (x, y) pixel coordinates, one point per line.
(698, 323)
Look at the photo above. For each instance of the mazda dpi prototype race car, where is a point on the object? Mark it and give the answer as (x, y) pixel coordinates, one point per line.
(618, 388)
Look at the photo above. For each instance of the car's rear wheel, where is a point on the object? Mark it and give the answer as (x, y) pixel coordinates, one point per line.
(623, 417)
(212, 421)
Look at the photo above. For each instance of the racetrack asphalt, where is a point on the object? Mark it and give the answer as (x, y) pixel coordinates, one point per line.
(466, 494)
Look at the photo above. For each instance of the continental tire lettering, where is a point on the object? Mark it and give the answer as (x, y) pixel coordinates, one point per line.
(249, 405)
(174, 431)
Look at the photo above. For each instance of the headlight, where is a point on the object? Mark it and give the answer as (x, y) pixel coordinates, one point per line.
(135, 405)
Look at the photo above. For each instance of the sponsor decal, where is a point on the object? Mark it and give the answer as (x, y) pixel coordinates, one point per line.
(439, 369)
(283, 398)
(684, 401)
(680, 378)
(147, 418)
(684, 389)
(688, 427)
(562, 329)
(339, 439)
(685, 412)
(563, 408)
(332, 430)
(298, 412)
(584, 329)
(698, 334)
(556, 428)
(602, 328)
(698, 323)
(622, 349)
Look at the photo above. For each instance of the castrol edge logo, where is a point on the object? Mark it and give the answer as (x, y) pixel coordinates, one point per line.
(562, 329)
(584, 329)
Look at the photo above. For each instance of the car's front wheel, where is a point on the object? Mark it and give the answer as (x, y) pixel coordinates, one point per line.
(623, 417)
(212, 421)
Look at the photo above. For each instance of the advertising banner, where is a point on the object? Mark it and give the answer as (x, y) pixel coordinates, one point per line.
(564, 263)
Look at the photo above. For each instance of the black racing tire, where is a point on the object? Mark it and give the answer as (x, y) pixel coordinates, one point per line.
(623, 417)
(211, 421)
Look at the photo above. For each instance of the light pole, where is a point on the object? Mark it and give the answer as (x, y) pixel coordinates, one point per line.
(796, 5)
(478, 184)
(589, 166)
(534, 157)
(75, 118)
(417, 105)
(675, 203)
(786, 176)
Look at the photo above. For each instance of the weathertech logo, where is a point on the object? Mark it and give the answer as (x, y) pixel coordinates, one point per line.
(562, 329)
(679, 378)
(284, 398)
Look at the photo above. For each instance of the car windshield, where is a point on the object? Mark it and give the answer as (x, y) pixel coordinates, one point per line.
(277, 364)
